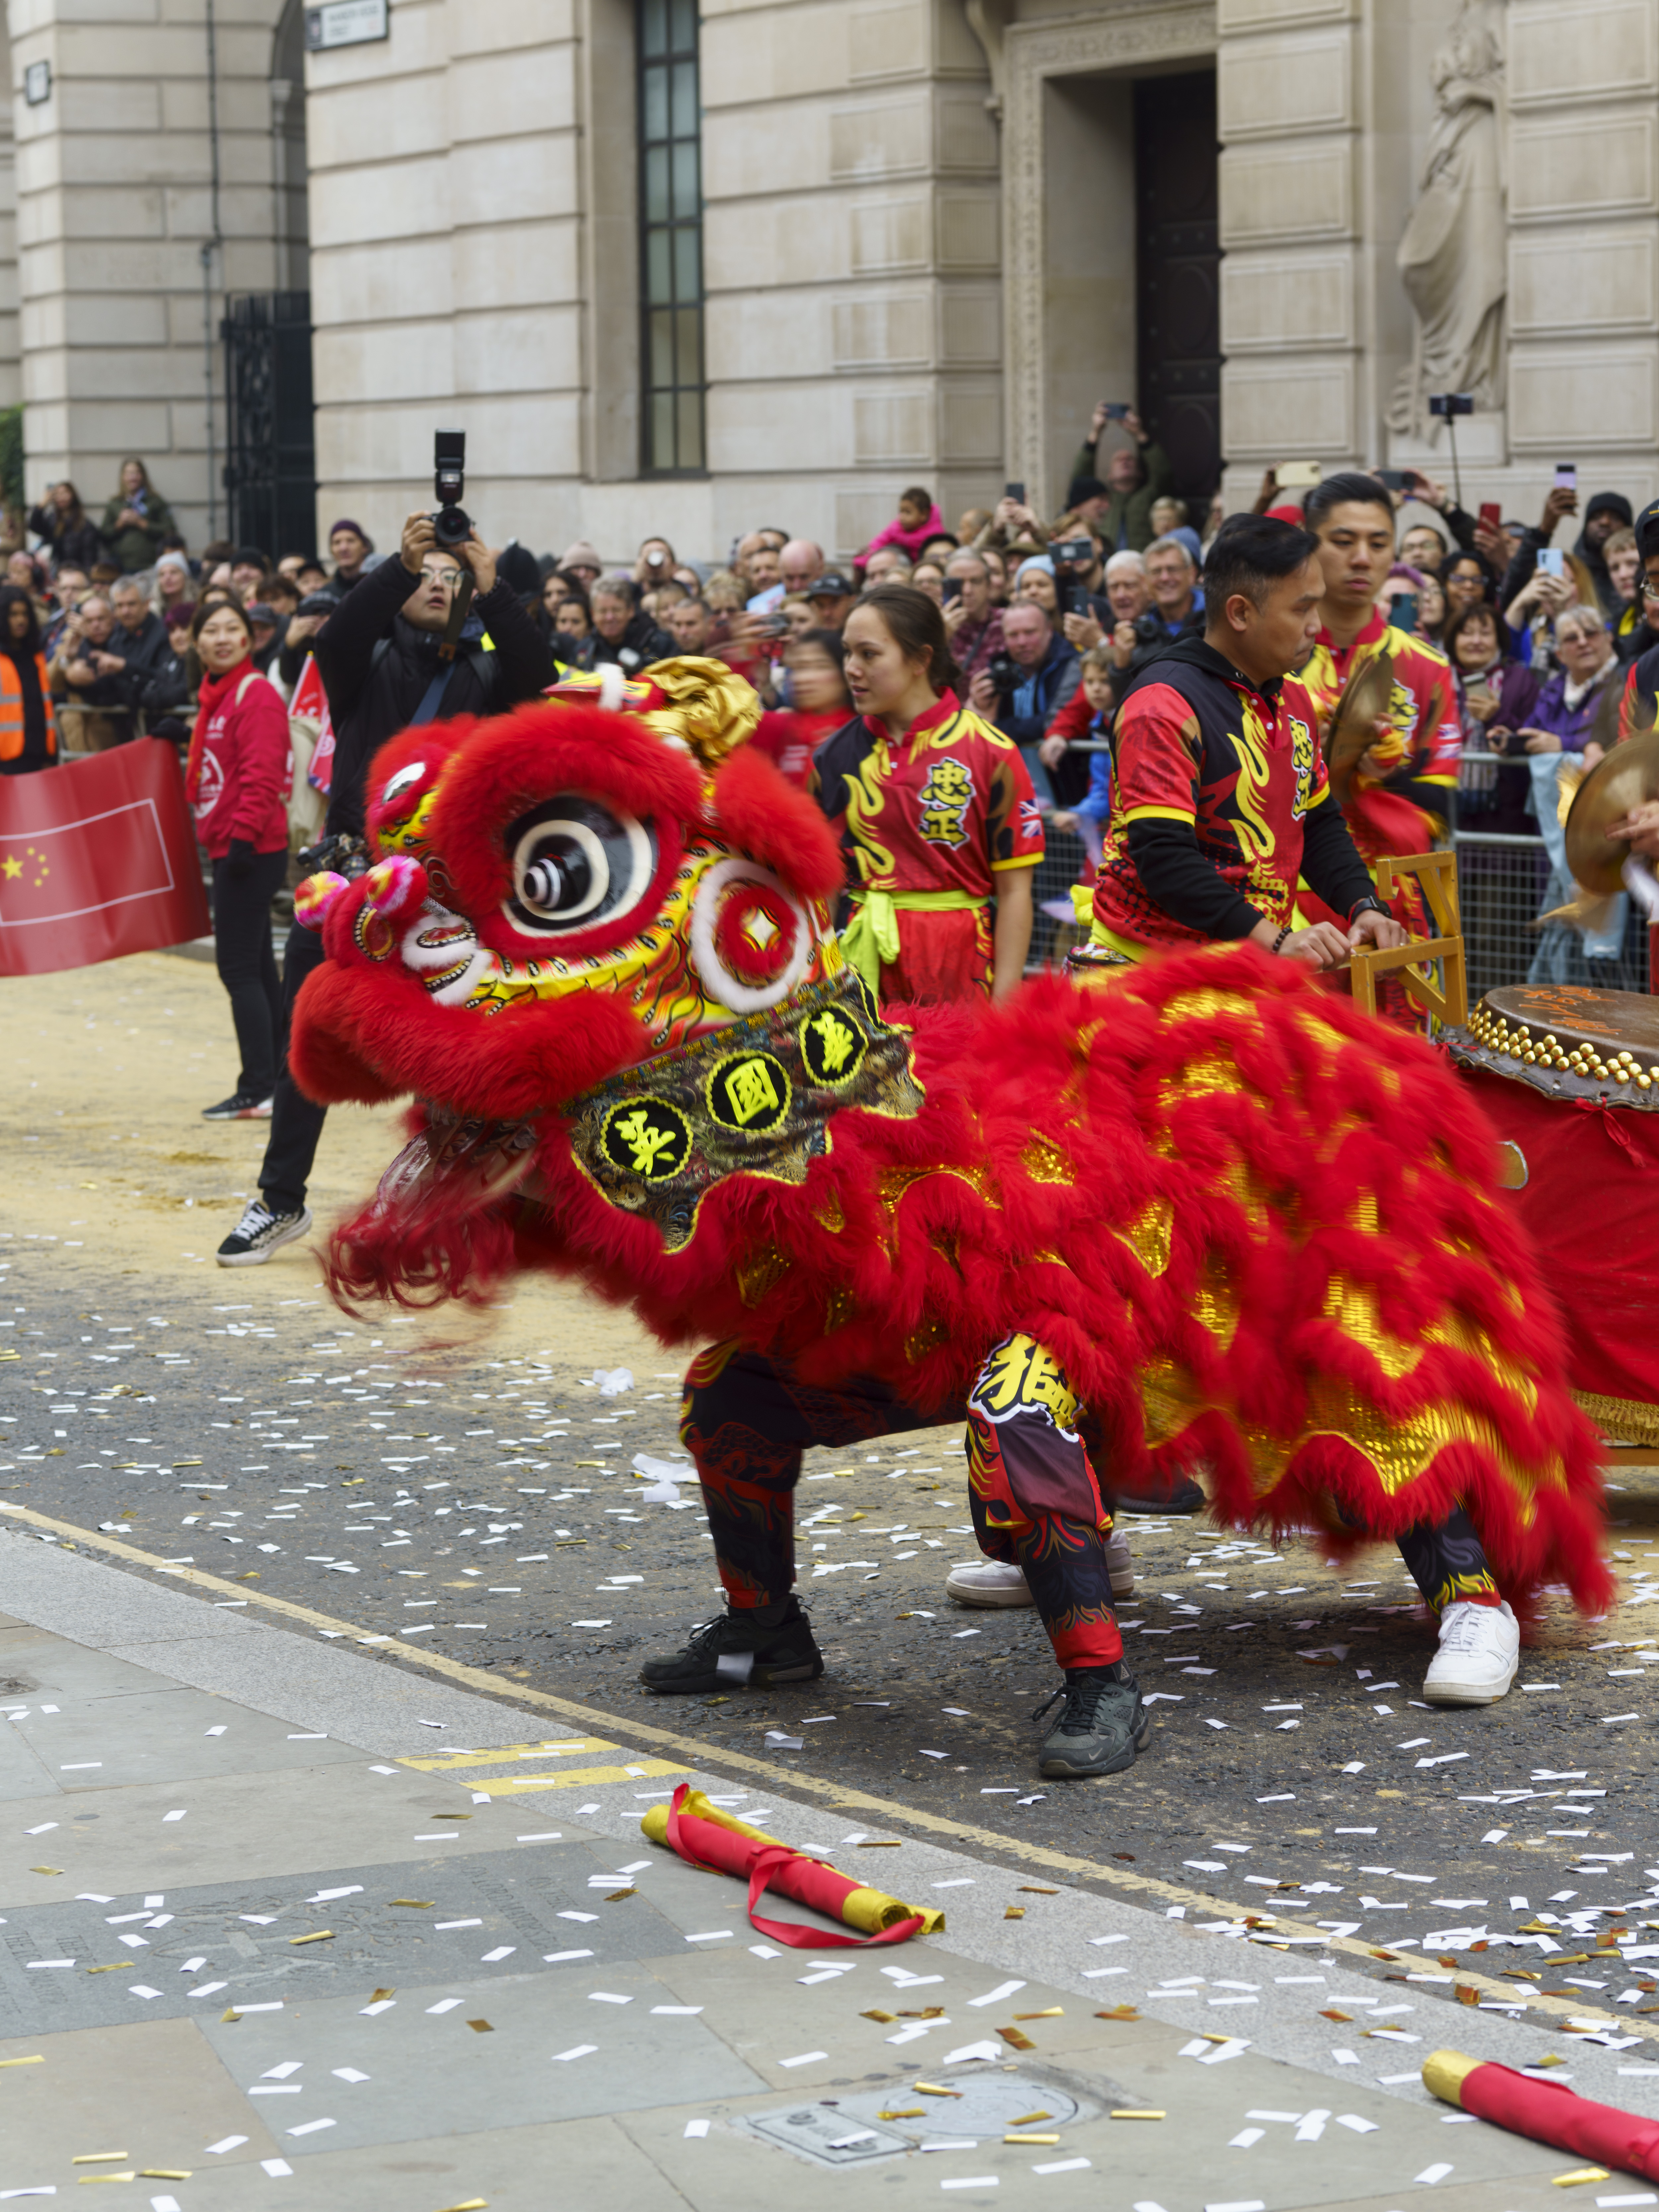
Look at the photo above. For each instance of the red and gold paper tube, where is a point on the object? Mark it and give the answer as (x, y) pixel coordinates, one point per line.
(704, 1837)
(1548, 2112)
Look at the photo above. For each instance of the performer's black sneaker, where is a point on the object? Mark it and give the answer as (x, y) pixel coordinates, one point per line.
(733, 1652)
(258, 1234)
(1101, 1727)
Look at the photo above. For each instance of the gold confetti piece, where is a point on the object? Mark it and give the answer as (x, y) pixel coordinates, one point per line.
(568, 1543)
(38, 2059)
(1036, 1889)
(45, 1869)
(420, 1903)
(187, 1462)
(1119, 2012)
(1015, 2040)
(1331, 2012)
(615, 1896)
(481, 2027)
(591, 1462)
(115, 1969)
(1030, 2139)
(1030, 2119)
(1206, 2036)
(1149, 2112)
(937, 2089)
(1048, 2012)
(885, 2018)
(164, 2173)
(1014, 1912)
(932, 2011)
(1468, 1994)
(100, 2157)
(317, 1936)
(885, 1843)
(1580, 2173)
(472, 2204)
(87, 2179)
(452, 1816)
(231, 2014)
(908, 2113)
(380, 1995)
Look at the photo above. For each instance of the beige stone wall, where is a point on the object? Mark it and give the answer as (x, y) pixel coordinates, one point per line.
(447, 263)
(474, 262)
(112, 180)
(11, 384)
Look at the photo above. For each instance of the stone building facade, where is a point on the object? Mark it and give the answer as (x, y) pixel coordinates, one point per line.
(775, 265)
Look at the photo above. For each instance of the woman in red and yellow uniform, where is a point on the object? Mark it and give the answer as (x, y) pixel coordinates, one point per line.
(938, 813)
(1400, 797)
(29, 735)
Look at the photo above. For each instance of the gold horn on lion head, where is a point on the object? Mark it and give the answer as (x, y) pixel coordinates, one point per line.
(699, 704)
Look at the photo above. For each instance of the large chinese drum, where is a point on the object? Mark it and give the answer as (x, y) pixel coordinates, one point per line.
(1570, 1077)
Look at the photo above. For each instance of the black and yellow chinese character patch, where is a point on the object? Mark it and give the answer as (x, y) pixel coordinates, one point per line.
(749, 1090)
(648, 1137)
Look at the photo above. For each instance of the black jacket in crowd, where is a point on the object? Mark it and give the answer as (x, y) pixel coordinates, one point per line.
(76, 544)
(155, 678)
(371, 698)
(642, 643)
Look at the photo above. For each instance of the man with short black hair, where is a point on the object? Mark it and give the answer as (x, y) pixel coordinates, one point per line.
(1400, 797)
(1219, 801)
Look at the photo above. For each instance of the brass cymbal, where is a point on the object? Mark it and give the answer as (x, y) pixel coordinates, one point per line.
(1629, 774)
(1365, 703)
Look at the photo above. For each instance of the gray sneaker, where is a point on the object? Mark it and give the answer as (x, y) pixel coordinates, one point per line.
(1101, 1726)
(258, 1233)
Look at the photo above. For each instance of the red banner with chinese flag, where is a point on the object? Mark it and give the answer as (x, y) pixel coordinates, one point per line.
(98, 859)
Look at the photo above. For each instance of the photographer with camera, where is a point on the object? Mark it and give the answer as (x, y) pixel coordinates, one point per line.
(1024, 688)
(391, 654)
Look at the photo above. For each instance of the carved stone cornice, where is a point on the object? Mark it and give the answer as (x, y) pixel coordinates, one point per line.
(1115, 37)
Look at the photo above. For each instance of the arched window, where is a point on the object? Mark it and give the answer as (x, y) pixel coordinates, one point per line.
(671, 238)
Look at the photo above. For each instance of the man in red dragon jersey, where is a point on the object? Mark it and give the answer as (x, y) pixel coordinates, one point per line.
(1220, 802)
(1400, 798)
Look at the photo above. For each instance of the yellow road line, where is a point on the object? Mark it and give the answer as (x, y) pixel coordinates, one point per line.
(507, 1751)
(564, 1777)
(961, 1833)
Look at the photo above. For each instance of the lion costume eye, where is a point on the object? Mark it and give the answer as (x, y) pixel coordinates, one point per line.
(576, 862)
(405, 779)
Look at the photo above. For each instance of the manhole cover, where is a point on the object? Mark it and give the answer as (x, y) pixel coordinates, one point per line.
(984, 2105)
(827, 2134)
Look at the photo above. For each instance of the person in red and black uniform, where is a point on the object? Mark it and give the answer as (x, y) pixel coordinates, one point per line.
(1221, 803)
(29, 735)
(1220, 799)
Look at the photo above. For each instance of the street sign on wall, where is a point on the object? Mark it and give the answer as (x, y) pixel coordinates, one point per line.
(345, 23)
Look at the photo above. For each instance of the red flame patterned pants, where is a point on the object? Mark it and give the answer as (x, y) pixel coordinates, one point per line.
(1033, 1492)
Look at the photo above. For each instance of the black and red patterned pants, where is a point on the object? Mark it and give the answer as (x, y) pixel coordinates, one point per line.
(1034, 1498)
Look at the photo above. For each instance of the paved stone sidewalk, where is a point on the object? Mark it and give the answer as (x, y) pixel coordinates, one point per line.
(509, 1998)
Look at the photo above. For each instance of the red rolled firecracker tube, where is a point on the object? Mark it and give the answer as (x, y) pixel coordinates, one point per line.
(1548, 2112)
(706, 1838)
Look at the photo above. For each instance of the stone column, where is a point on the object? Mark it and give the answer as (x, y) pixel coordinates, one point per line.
(112, 196)
(446, 260)
(1288, 105)
(850, 175)
(1584, 78)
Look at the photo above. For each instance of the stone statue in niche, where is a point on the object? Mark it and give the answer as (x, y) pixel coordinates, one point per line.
(1453, 251)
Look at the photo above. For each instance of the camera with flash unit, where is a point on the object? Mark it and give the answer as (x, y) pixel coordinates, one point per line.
(451, 525)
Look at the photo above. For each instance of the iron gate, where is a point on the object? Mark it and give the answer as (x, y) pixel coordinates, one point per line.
(271, 462)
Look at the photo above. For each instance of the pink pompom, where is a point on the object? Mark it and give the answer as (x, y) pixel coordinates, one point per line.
(314, 898)
(395, 884)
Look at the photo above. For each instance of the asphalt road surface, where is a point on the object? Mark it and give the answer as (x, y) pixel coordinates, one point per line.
(490, 1507)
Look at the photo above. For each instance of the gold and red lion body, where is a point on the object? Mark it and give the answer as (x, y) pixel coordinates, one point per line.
(1259, 1230)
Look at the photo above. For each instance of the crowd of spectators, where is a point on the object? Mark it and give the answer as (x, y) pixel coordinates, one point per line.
(1047, 619)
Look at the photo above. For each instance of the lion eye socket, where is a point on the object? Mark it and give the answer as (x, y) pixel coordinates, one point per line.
(405, 779)
(576, 862)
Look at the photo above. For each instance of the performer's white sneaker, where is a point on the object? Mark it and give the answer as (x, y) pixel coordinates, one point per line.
(1479, 1651)
(990, 1583)
(987, 1583)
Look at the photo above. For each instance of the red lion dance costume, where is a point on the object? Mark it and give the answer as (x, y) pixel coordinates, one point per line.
(1210, 1218)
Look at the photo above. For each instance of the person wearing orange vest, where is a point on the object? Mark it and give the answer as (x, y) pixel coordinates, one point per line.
(28, 733)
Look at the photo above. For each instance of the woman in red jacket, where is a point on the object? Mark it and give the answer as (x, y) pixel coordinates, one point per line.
(237, 783)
